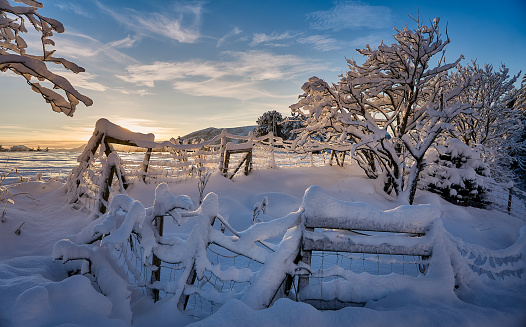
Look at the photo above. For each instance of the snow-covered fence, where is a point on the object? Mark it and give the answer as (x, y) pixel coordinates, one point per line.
(341, 238)
(335, 234)
(91, 183)
(133, 248)
(166, 264)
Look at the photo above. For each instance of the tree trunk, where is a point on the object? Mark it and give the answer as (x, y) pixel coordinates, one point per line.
(412, 183)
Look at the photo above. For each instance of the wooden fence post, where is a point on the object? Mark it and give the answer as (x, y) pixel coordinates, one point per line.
(272, 158)
(343, 157)
(222, 151)
(226, 158)
(156, 262)
(183, 300)
(146, 163)
(248, 163)
(105, 187)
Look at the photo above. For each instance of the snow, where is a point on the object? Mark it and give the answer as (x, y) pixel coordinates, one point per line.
(104, 126)
(324, 211)
(35, 290)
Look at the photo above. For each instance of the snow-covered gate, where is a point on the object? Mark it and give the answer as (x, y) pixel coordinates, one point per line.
(386, 247)
(127, 250)
(364, 254)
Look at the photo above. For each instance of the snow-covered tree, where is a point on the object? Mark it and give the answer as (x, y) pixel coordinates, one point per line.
(13, 56)
(456, 172)
(393, 106)
(269, 122)
(273, 121)
(516, 149)
(291, 124)
(495, 120)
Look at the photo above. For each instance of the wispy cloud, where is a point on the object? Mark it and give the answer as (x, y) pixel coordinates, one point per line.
(349, 15)
(269, 39)
(76, 45)
(182, 25)
(84, 80)
(127, 42)
(240, 75)
(230, 34)
(74, 8)
(322, 42)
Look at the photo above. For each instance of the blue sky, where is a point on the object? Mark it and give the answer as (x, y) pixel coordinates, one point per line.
(172, 67)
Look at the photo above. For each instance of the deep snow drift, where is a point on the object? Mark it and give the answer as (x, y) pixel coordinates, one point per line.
(35, 291)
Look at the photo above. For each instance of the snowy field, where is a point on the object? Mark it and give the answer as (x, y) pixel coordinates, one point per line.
(36, 291)
(52, 164)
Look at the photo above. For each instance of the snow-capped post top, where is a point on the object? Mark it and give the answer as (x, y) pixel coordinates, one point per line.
(321, 210)
(108, 128)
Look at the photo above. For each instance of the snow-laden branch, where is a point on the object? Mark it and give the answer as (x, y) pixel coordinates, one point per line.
(13, 56)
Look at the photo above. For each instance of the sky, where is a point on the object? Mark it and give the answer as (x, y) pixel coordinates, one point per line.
(173, 67)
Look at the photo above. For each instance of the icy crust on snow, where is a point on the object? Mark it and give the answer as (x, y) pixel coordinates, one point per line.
(323, 211)
(57, 304)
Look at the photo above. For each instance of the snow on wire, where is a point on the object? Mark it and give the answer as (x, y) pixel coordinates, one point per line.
(124, 249)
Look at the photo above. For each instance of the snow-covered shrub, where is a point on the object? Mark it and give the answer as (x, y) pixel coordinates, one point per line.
(455, 171)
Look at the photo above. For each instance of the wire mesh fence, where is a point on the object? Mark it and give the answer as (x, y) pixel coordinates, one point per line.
(506, 198)
(374, 264)
(210, 292)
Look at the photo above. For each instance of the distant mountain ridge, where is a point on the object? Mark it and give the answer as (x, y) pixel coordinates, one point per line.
(210, 132)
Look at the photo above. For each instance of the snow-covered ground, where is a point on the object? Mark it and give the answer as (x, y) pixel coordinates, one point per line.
(36, 291)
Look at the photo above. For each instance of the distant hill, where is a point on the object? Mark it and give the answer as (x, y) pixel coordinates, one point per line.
(210, 132)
